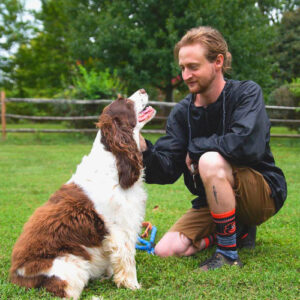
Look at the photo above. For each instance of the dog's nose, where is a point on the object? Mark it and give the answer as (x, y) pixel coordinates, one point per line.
(142, 91)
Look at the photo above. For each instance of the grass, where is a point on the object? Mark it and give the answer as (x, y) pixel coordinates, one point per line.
(33, 166)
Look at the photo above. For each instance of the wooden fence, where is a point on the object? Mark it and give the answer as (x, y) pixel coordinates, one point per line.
(5, 115)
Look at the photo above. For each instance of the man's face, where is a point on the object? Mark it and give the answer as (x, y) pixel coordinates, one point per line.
(197, 72)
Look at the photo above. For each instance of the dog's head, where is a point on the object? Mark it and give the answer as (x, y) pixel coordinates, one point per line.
(119, 123)
(144, 113)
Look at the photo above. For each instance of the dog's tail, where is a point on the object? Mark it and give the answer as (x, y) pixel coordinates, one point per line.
(52, 284)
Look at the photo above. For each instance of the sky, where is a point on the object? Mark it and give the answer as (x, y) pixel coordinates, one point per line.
(32, 4)
(29, 4)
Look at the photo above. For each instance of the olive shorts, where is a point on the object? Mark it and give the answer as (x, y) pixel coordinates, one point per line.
(254, 205)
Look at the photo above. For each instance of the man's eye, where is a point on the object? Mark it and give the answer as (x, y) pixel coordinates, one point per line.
(194, 67)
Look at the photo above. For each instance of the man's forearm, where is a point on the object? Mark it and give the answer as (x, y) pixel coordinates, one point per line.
(143, 144)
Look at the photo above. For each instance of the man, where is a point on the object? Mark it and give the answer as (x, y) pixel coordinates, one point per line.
(218, 138)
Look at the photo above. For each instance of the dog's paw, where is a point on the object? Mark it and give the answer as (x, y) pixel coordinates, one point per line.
(129, 284)
(97, 298)
(107, 274)
(133, 286)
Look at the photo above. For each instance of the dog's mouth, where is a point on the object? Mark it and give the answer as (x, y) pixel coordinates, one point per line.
(146, 114)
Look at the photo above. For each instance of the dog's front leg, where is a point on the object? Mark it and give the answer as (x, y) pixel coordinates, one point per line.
(122, 256)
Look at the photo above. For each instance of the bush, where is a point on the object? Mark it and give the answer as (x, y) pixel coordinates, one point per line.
(30, 109)
(294, 88)
(287, 95)
(89, 85)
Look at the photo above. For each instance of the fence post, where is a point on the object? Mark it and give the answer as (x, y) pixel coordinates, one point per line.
(3, 112)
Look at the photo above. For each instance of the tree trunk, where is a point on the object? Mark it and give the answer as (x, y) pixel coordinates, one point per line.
(168, 90)
(169, 93)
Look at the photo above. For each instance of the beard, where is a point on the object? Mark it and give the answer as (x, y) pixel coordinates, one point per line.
(200, 86)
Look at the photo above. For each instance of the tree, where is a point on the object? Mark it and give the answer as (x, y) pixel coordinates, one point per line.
(287, 47)
(137, 37)
(13, 31)
(12, 27)
(40, 66)
(274, 9)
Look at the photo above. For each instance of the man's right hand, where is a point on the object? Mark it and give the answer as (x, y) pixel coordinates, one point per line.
(143, 145)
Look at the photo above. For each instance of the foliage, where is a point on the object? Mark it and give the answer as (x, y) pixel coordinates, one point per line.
(12, 27)
(38, 66)
(92, 85)
(287, 95)
(96, 84)
(140, 42)
(294, 88)
(135, 38)
(287, 47)
(13, 30)
(270, 271)
(274, 9)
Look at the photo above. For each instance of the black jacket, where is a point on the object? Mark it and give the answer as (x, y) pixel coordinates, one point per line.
(236, 126)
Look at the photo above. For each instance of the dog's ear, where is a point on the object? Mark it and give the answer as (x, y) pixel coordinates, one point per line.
(117, 137)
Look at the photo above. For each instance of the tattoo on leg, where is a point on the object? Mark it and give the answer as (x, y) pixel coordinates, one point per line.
(215, 194)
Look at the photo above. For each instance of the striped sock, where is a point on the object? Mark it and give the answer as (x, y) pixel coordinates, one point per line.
(226, 233)
(209, 240)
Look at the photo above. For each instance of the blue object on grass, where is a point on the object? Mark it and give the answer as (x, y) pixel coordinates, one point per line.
(147, 245)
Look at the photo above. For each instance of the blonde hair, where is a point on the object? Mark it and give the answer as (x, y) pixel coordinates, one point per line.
(209, 38)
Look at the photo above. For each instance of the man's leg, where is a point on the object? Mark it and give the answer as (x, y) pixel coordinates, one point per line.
(193, 232)
(217, 177)
(177, 244)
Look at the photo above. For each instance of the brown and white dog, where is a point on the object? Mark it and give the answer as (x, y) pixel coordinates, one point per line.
(89, 227)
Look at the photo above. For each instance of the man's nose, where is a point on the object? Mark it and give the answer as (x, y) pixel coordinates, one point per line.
(186, 74)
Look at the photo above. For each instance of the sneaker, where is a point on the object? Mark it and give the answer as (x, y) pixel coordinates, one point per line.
(217, 261)
(247, 240)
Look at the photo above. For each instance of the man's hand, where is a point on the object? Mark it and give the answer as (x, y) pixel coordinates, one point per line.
(192, 166)
(143, 144)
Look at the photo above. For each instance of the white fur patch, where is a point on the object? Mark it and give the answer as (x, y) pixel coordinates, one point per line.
(122, 211)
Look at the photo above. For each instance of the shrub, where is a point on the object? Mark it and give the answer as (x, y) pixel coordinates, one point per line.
(89, 85)
(287, 95)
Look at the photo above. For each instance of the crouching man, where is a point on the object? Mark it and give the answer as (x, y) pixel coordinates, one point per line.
(218, 138)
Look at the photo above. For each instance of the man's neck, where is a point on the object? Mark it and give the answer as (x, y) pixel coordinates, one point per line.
(212, 94)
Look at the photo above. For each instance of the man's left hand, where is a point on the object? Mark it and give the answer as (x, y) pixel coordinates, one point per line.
(191, 165)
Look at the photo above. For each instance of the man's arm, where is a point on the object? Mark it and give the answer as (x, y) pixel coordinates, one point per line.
(249, 132)
(165, 160)
(143, 144)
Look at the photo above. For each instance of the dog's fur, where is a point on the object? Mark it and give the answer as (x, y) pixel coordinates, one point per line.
(89, 227)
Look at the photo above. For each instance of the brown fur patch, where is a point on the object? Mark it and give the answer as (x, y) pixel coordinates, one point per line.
(63, 225)
(52, 284)
(117, 123)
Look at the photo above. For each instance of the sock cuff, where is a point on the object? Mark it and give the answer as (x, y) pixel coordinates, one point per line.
(206, 240)
(223, 215)
(209, 240)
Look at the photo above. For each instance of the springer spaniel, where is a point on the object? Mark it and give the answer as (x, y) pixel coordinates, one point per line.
(89, 227)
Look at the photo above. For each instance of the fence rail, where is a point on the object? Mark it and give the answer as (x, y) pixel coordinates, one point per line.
(4, 115)
(107, 101)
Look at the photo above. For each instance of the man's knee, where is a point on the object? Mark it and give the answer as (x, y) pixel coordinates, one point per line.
(172, 244)
(213, 165)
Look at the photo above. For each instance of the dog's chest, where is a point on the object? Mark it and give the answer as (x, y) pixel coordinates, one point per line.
(97, 175)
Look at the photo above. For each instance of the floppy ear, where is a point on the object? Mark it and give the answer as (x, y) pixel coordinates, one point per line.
(117, 137)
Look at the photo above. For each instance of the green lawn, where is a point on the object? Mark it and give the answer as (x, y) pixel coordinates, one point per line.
(33, 166)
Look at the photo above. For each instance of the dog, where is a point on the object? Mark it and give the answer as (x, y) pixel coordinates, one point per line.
(89, 227)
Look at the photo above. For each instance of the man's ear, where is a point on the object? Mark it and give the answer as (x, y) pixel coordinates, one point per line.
(219, 62)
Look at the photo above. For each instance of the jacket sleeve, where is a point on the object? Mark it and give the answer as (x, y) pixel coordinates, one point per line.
(164, 161)
(245, 143)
